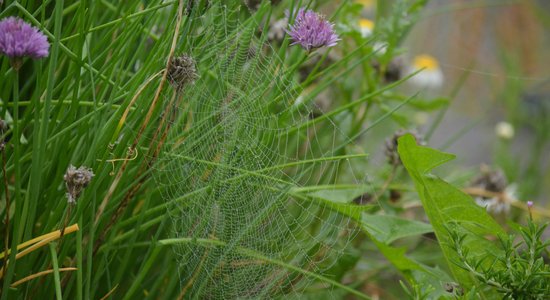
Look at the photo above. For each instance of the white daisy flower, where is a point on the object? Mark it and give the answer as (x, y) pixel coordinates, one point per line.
(366, 27)
(431, 76)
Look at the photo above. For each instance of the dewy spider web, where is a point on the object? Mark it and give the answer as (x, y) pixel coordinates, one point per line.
(236, 162)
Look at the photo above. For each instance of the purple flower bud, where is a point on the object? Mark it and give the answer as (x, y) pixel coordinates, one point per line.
(19, 39)
(311, 31)
(529, 204)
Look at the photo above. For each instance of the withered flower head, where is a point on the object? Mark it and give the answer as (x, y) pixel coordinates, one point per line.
(391, 72)
(490, 180)
(391, 145)
(76, 180)
(182, 71)
(493, 181)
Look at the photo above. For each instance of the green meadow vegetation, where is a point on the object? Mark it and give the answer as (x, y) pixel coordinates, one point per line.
(199, 149)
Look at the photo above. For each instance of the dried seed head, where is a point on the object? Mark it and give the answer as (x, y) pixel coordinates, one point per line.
(393, 71)
(494, 181)
(182, 71)
(490, 180)
(76, 180)
(391, 145)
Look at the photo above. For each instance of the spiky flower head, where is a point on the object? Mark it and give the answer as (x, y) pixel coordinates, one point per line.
(182, 71)
(76, 180)
(312, 31)
(19, 39)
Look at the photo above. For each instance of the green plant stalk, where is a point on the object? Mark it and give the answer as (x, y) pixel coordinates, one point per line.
(56, 277)
(89, 258)
(37, 153)
(16, 237)
(143, 272)
(125, 18)
(56, 102)
(79, 275)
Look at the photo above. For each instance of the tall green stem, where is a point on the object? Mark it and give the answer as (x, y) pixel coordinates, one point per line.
(15, 141)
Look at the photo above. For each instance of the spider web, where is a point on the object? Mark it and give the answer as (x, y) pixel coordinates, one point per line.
(240, 152)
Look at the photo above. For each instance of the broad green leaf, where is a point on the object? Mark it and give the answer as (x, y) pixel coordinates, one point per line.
(414, 271)
(387, 229)
(339, 200)
(383, 230)
(340, 195)
(446, 205)
(397, 257)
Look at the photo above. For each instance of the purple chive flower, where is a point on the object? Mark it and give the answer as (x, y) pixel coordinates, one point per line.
(19, 39)
(311, 31)
(529, 204)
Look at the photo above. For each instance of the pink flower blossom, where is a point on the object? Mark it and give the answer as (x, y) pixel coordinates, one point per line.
(19, 39)
(311, 31)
